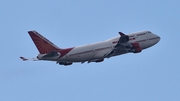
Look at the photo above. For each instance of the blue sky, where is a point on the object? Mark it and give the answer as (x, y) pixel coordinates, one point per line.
(153, 75)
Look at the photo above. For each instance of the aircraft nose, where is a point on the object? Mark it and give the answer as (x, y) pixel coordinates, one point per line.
(156, 38)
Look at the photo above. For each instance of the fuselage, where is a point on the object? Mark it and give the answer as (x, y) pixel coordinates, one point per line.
(95, 51)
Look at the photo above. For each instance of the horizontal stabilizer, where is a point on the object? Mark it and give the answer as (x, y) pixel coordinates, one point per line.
(23, 58)
(52, 54)
(32, 59)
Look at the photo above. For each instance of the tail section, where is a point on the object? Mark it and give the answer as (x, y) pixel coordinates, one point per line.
(43, 45)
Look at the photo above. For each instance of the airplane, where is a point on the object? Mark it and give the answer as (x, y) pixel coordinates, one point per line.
(95, 52)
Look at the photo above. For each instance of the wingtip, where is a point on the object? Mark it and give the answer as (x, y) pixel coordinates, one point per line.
(23, 58)
(120, 33)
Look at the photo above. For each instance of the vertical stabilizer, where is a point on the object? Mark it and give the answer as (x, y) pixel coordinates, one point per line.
(43, 45)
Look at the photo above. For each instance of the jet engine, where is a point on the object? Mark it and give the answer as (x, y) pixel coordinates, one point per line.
(96, 60)
(100, 60)
(136, 47)
(138, 50)
(65, 63)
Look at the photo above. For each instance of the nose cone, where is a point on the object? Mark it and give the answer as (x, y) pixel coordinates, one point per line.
(156, 38)
(153, 39)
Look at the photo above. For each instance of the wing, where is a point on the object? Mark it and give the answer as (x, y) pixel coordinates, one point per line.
(123, 39)
(51, 54)
(25, 59)
(124, 46)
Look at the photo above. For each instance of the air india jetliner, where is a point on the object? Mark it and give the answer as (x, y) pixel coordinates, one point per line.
(96, 52)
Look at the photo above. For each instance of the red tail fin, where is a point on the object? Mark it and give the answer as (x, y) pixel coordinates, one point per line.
(43, 45)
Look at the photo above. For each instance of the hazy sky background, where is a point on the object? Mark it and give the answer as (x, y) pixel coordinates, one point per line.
(153, 75)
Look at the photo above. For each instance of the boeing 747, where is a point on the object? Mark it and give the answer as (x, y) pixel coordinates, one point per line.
(95, 52)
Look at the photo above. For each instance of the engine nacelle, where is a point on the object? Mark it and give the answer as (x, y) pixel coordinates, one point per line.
(135, 45)
(69, 63)
(65, 63)
(96, 60)
(100, 60)
(138, 50)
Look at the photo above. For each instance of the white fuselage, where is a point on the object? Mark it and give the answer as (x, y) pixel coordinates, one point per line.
(99, 50)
